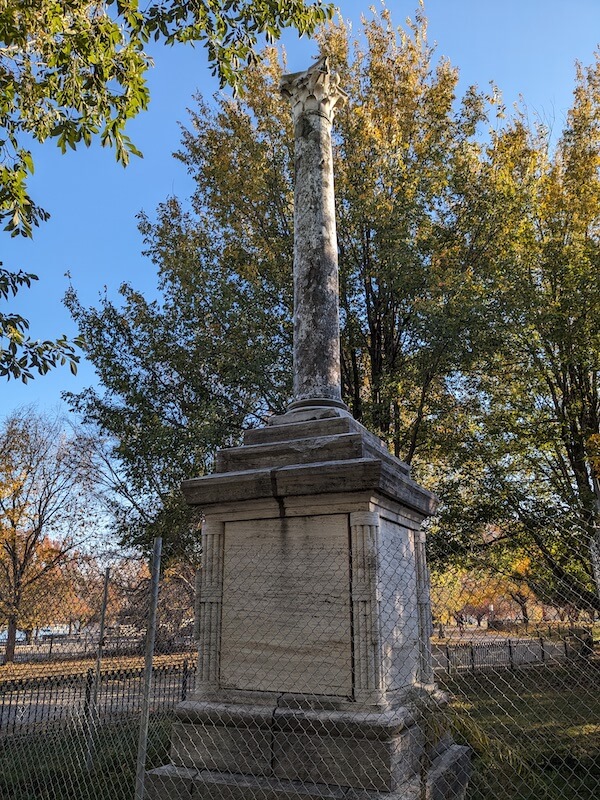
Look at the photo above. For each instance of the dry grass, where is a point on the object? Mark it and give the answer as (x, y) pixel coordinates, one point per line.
(41, 669)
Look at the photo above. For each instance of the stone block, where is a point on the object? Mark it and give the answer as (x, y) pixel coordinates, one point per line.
(356, 761)
(449, 774)
(246, 749)
(287, 453)
(169, 783)
(337, 761)
(446, 779)
(408, 791)
(219, 786)
(398, 606)
(378, 474)
(306, 415)
(298, 430)
(209, 785)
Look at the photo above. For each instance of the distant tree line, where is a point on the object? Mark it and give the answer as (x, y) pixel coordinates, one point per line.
(54, 546)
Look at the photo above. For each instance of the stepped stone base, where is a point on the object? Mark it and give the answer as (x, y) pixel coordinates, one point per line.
(446, 780)
(369, 750)
(223, 751)
(314, 678)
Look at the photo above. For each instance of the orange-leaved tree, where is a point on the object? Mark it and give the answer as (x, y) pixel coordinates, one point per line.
(47, 507)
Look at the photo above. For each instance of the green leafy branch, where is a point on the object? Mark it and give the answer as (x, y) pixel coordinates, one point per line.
(21, 356)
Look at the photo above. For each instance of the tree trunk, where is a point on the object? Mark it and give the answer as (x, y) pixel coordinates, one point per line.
(11, 640)
(524, 611)
(595, 536)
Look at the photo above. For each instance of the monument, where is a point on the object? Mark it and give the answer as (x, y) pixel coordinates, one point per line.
(314, 674)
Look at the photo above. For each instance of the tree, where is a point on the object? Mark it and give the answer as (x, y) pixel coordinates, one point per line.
(528, 466)
(460, 592)
(214, 355)
(74, 72)
(46, 512)
(55, 600)
(469, 293)
(475, 588)
(129, 597)
(174, 416)
(177, 595)
(406, 150)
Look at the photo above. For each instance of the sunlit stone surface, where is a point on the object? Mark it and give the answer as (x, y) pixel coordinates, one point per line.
(314, 95)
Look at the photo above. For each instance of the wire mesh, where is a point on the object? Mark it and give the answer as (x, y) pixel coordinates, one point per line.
(63, 732)
(294, 704)
(516, 648)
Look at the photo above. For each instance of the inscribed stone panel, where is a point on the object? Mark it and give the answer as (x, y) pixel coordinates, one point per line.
(286, 606)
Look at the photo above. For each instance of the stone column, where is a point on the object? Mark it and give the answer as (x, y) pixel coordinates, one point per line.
(210, 603)
(366, 633)
(314, 96)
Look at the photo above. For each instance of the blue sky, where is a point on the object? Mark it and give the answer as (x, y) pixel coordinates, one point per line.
(527, 47)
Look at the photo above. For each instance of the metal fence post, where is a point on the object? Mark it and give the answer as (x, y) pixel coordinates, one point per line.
(511, 659)
(150, 636)
(184, 680)
(93, 705)
(89, 682)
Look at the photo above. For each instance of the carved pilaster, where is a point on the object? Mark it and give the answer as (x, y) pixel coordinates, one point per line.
(423, 610)
(197, 610)
(210, 603)
(366, 640)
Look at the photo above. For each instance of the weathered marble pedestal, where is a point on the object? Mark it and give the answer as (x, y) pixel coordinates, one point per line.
(314, 670)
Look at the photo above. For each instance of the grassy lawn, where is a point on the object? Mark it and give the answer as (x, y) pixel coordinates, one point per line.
(52, 767)
(542, 728)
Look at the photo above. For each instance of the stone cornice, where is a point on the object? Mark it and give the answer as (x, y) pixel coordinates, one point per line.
(353, 475)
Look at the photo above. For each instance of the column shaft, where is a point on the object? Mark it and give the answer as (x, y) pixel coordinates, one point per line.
(314, 95)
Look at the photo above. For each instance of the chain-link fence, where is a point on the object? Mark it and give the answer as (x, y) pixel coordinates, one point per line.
(72, 691)
(308, 627)
(516, 646)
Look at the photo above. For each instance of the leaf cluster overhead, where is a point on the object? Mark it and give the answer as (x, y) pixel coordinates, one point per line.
(20, 356)
(76, 71)
(73, 72)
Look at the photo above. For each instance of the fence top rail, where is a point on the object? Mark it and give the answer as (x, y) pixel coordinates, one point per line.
(39, 681)
(483, 643)
(79, 678)
(133, 672)
(509, 641)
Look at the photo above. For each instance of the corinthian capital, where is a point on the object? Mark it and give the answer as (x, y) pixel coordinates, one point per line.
(315, 89)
